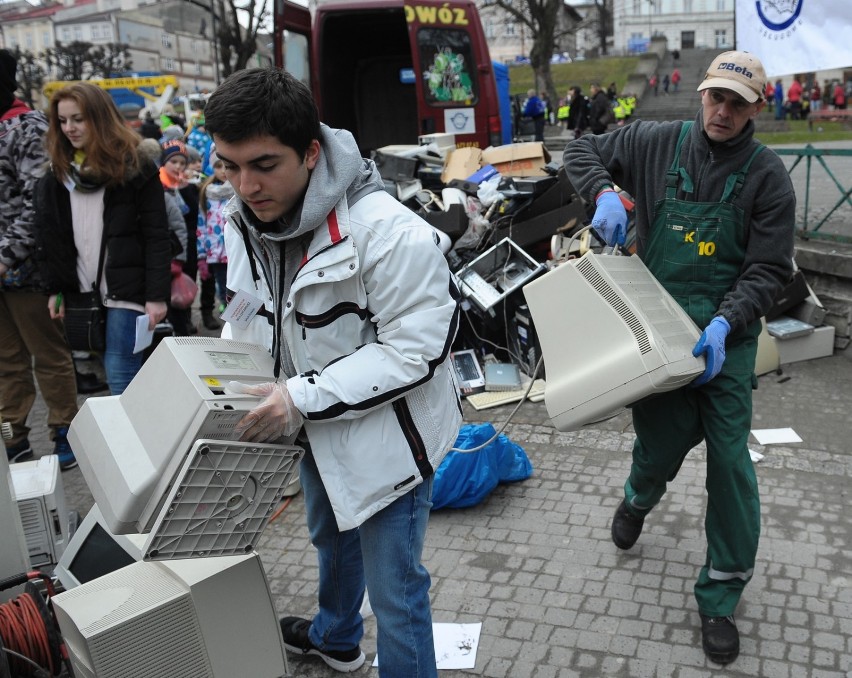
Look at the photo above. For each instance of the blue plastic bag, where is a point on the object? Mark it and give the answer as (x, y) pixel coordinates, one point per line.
(466, 478)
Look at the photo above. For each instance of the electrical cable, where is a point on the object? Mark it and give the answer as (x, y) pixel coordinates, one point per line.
(509, 418)
(25, 636)
(280, 509)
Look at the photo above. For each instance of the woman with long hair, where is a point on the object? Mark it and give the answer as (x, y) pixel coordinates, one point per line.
(100, 216)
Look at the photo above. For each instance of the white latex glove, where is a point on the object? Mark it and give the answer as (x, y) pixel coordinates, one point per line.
(276, 416)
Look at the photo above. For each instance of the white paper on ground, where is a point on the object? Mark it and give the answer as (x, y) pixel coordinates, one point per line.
(455, 645)
(770, 436)
(144, 336)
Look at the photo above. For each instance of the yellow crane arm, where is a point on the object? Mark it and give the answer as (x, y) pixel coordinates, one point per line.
(157, 82)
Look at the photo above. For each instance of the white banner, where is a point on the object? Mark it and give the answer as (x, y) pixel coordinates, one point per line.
(796, 36)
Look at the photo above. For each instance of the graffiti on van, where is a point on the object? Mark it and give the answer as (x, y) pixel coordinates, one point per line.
(447, 78)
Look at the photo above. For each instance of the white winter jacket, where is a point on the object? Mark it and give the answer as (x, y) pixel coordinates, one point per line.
(369, 320)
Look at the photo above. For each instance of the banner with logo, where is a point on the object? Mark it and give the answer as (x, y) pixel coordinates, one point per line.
(796, 36)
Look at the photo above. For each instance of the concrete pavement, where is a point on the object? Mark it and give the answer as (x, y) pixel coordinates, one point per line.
(534, 562)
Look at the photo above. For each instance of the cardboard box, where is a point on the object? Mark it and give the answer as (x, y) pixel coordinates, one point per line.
(461, 163)
(817, 344)
(518, 160)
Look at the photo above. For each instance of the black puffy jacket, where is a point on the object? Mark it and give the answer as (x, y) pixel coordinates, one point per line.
(138, 250)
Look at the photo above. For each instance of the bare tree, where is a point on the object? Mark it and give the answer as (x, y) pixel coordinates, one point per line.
(541, 17)
(69, 61)
(110, 59)
(237, 29)
(30, 75)
(603, 23)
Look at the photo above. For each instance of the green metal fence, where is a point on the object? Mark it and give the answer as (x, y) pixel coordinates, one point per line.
(810, 154)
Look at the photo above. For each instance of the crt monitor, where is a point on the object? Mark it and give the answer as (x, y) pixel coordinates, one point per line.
(94, 551)
(200, 617)
(129, 447)
(610, 335)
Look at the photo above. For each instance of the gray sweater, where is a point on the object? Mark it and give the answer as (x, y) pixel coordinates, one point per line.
(636, 158)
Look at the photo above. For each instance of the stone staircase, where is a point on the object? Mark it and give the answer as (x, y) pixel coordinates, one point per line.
(684, 104)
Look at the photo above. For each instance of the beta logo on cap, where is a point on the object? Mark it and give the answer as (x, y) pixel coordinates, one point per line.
(739, 72)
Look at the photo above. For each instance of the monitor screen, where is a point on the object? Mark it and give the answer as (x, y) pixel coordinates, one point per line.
(99, 554)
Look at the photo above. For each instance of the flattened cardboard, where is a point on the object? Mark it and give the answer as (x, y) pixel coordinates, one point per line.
(525, 159)
(461, 163)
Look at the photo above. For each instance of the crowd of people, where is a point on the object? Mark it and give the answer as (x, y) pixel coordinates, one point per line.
(90, 207)
(800, 99)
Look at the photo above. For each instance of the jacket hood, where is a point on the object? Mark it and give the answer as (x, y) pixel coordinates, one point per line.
(217, 191)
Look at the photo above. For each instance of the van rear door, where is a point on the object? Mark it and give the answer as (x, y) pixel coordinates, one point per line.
(456, 89)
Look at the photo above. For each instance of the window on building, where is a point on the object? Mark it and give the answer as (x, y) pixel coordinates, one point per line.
(721, 38)
(490, 29)
(96, 31)
(197, 68)
(687, 6)
(720, 5)
(66, 35)
(78, 32)
(46, 39)
(637, 7)
(28, 41)
(169, 64)
(509, 29)
(166, 39)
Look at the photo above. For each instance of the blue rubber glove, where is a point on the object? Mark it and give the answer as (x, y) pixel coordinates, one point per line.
(610, 220)
(712, 345)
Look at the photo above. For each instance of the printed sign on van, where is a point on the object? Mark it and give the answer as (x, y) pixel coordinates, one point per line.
(459, 121)
(789, 36)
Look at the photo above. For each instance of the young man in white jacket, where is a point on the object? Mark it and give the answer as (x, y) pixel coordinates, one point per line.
(365, 313)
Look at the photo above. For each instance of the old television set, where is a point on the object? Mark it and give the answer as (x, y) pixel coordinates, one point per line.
(617, 336)
(201, 617)
(162, 458)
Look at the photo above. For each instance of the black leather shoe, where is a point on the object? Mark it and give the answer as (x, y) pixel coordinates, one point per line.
(720, 639)
(626, 527)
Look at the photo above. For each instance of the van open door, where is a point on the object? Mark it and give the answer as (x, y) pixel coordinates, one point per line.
(291, 39)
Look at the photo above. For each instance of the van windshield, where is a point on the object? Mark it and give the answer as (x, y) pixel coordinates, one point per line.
(449, 75)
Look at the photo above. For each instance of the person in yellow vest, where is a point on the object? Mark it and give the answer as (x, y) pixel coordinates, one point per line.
(562, 112)
(619, 111)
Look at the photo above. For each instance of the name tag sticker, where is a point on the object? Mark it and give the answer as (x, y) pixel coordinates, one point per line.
(242, 309)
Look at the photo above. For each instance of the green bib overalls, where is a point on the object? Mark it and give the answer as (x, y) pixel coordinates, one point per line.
(696, 250)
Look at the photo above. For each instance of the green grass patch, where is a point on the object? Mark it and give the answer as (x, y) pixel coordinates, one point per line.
(582, 73)
(801, 132)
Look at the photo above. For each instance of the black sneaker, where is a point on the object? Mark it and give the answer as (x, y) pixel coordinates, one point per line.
(720, 639)
(62, 449)
(297, 640)
(626, 527)
(19, 451)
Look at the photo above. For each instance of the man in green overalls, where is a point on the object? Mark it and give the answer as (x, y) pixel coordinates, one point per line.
(714, 223)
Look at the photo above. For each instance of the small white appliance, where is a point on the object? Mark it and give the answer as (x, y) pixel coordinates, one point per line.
(41, 503)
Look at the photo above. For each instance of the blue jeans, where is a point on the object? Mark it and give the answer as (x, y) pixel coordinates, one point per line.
(120, 363)
(384, 554)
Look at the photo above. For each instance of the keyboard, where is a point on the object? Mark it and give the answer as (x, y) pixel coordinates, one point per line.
(483, 401)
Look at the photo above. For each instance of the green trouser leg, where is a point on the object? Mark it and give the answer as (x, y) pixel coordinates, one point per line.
(667, 427)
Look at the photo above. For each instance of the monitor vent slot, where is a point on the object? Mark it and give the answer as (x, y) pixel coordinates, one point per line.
(597, 281)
